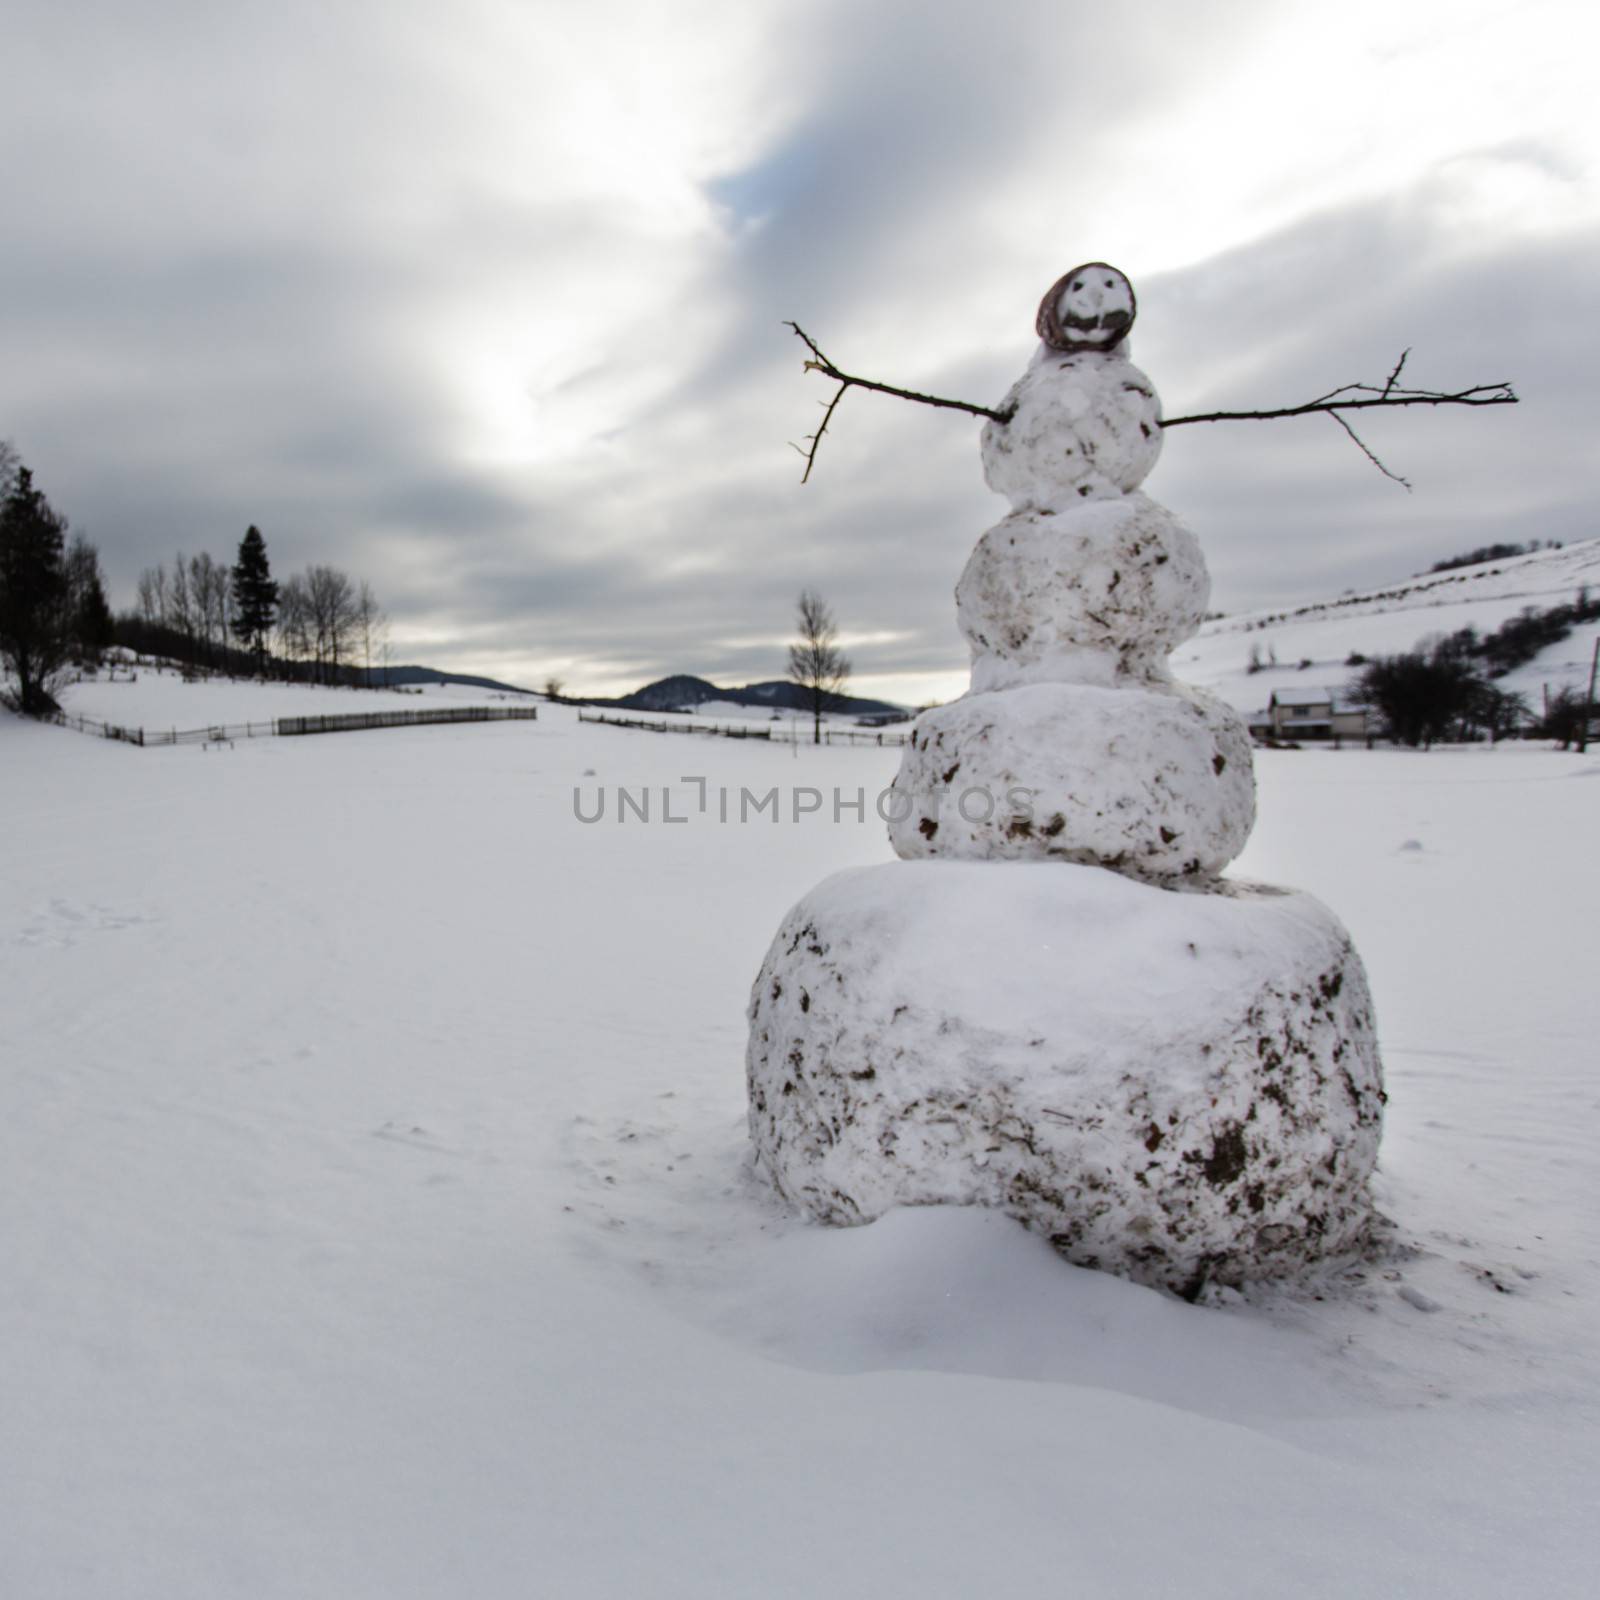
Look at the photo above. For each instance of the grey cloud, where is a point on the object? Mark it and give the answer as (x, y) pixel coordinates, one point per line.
(206, 325)
(1286, 506)
(921, 109)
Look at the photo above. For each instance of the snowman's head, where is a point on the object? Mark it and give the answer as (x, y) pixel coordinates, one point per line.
(1090, 308)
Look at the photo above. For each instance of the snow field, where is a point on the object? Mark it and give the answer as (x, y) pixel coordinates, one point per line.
(376, 1217)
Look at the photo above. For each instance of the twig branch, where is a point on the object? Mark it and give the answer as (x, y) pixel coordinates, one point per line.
(1483, 394)
(823, 365)
(1366, 397)
(816, 438)
(820, 363)
(1361, 445)
(1347, 397)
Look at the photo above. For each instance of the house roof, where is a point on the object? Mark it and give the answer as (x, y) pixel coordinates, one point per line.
(1336, 700)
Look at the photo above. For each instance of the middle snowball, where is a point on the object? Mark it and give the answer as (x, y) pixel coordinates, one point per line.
(1100, 593)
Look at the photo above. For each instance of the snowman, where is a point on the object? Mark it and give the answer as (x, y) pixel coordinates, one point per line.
(1020, 1012)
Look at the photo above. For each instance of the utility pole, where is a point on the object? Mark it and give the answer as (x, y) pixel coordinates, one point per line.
(1588, 704)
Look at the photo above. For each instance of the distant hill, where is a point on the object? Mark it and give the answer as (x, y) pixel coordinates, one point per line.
(1323, 643)
(682, 692)
(405, 677)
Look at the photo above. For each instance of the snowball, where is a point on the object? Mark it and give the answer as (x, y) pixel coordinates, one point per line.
(1085, 427)
(1177, 1088)
(1096, 592)
(1153, 781)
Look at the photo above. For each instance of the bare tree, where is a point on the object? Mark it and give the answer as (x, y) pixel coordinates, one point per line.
(182, 614)
(199, 582)
(331, 603)
(815, 661)
(152, 595)
(294, 621)
(208, 597)
(219, 605)
(372, 625)
(553, 688)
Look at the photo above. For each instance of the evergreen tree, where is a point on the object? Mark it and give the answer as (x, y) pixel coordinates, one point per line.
(35, 618)
(89, 615)
(255, 595)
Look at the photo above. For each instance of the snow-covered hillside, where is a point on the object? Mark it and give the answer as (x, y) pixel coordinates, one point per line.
(376, 1220)
(1394, 619)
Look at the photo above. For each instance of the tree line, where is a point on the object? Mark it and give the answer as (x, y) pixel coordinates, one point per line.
(320, 625)
(1491, 552)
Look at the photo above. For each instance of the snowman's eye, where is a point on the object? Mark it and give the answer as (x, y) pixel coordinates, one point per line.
(1110, 284)
(1078, 284)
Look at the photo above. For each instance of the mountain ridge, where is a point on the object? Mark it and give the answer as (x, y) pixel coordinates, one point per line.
(683, 691)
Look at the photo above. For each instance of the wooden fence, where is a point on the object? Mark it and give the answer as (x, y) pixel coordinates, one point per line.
(283, 727)
(647, 726)
(877, 736)
(351, 722)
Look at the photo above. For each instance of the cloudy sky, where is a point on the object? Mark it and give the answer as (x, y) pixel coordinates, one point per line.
(484, 302)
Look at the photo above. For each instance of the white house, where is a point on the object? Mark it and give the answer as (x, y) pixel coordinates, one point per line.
(1320, 713)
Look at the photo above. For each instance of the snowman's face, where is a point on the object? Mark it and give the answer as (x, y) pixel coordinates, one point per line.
(1091, 308)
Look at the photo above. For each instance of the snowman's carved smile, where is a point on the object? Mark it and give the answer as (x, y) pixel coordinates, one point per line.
(1106, 322)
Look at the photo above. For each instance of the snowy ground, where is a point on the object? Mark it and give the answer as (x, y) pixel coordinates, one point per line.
(375, 1221)
(158, 698)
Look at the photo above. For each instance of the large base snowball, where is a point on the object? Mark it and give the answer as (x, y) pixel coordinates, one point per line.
(1097, 592)
(1157, 782)
(1085, 427)
(1175, 1087)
